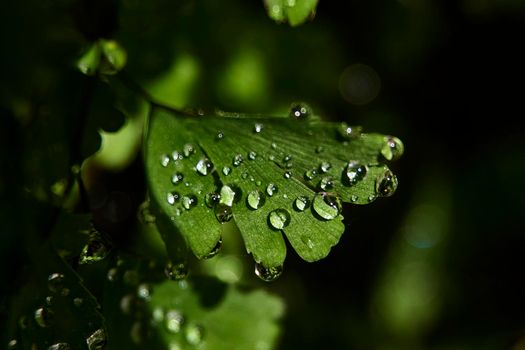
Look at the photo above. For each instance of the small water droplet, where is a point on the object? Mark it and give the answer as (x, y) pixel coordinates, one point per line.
(279, 218)
(189, 201)
(271, 189)
(268, 274)
(326, 183)
(355, 172)
(188, 149)
(144, 291)
(319, 149)
(245, 175)
(211, 199)
(59, 346)
(287, 158)
(349, 132)
(354, 198)
(78, 302)
(274, 145)
(325, 167)
(255, 199)
(301, 203)
(310, 174)
(43, 317)
(173, 197)
(393, 148)
(94, 251)
(215, 250)
(164, 160)
(226, 170)
(176, 271)
(204, 166)
(176, 155)
(177, 178)
(287, 175)
(237, 160)
(326, 205)
(223, 212)
(252, 155)
(257, 128)
(174, 321)
(220, 135)
(144, 213)
(386, 184)
(55, 282)
(97, 339)
(194, 334)
(299, 111)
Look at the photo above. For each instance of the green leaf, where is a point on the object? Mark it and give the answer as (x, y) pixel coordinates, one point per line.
(294, 12)
(272, 175)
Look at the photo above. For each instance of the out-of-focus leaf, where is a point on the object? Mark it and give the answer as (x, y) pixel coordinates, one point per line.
(294, 12)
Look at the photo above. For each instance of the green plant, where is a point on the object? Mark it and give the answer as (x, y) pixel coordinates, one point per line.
(97, 274)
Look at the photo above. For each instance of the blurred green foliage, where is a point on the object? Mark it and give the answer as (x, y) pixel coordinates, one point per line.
(438, 266)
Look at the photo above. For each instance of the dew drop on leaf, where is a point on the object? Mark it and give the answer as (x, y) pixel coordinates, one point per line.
(326, 183)
(219, 135)
(188, 150)
(237, 160)
(271, 189)
(349, 132)
(230, 194)
(301, 203)
(214, 251)
(95, 250)
(325, 167)
(226, 170)
(287, 158)
(287, 175)
(223, 212)
(204, 166)
(212, 199)
(354, 198)
(355, 172)
(189, 202)
(176, 155)
(386, 184)
(173, 197)
(299, 111)
(59, 346)
(97, 339)
(144, 291)
(326, 205)
(174, 321)
(392, 148)
(55, 282)
(252, 155)
(257, 128)
(164, 160)
(176, 271)
(255, 199)
(310, 174)
(194, 334)
(319, 149)
(43, 317)
(279, 218)
(177, 178)
(268, 274)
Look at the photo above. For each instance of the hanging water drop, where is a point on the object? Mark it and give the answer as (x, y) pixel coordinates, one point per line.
(355, 172)
(349, 132)
(310, 174)
(301, 203)
(189, 201)
(245, 175)
(226, 170)
(164, 160)
(55, 282)
(279, 218)
(97, 340)
(326, 183)
(43, 317)
(326, 205)
(215, 250)
(194, 334)
(174, 321)
(211, 199)
(392, 148)
(255, 199)
(257, 128)
(204, 166)
(386, 184)
(188, 149)
(173, 197)
(176, 271)
(237, 160)
(177, 178)
(223, 212)
(271, 189)
(268, 274)
(299, 111)
(252, 155)
(325, 167)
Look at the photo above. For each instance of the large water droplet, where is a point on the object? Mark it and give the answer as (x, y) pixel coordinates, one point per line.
(189, 201)
(43, 317)
(164, 160)
(223, 212)
(237, 160)
(393, 148)
(188, 149)
(268, 274)
(177, 178)
(271, 189)
(310, 174)
(97, 340)
(257, 128)
(300, 111)
(355, 172)
(326, 183)
(212, 199)
(226, 170)
(349, 132)
(95, 250)
(55, 282)
(173, 197)
(59, 346)
(326, 205)
(194, 334)
(252, 155)
(204, 166)
(301, 203)
(174, 321)
(214, 251)
(386, 184)
(255, 199)
(279, 218)
(176, 271)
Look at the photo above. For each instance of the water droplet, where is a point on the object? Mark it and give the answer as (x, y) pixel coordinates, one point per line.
(301, 203)
(176, 155)
(226, 170)
(271, 189)
(274, 145)
(173, 197)
(287, 175)
(386, 184)
(355, 172)
(287, 158)
(279, 218)
(176, 272)
(219, 135)
(257, 128)
(55, 282)
(13, 344)
(194, 334)
(310, 174)
(211, 199)
(189, 202)
(188, 149)
(204, 166)
(349, 132)
(319, 149)
(43, 317)
(174, 321)
(326, 205)
(309, 243)
(255, 199)
(252, 155)
(144, 291)
(393, 148)
(59, 346)
(164, 160)
(78, 302)
(223, 212)
(326, 183)
(300, 111)
(177, 178)
(325, 167)
(97, 340)
(94, 251)
(245, 175)
(49, 300)
(268, 274)
(214, 251)
(354, 198)
(237, 160)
